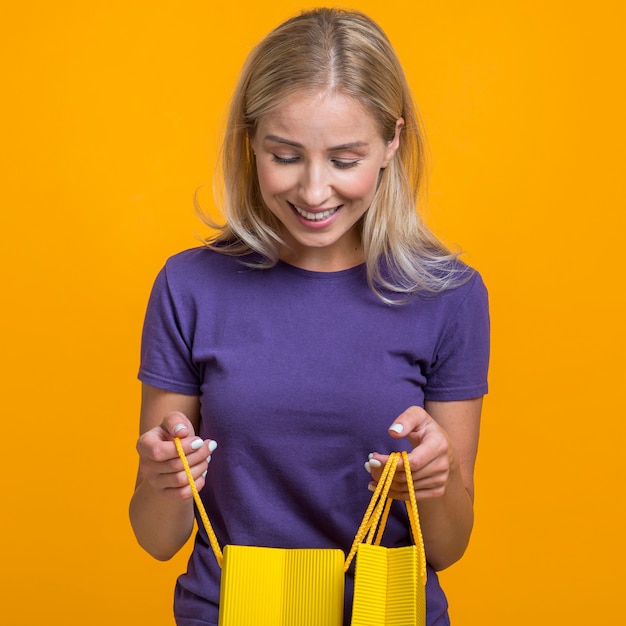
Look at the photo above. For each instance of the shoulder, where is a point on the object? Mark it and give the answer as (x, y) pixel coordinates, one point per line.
(470, 285)
(201, 265)
(469, 300)
(460, 309)
(459, 284)
(195, 259)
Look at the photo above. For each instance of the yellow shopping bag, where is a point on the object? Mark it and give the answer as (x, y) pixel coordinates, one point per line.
(305, 587)
(389, 583)
(280, 587)
(275, 586)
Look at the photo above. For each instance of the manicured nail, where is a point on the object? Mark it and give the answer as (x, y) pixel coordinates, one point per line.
(212, 445)
(397, 428)
(368, 469)
(204, 473)
(370, 455)
(208, 459)
(196, 444)
(375, 463)
(371, 487)
(178, 428)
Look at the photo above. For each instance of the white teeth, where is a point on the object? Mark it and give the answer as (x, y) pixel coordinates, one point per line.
(316, 217)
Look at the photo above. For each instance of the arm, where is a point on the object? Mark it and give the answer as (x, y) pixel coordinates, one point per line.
(161, 509)
(444, 438)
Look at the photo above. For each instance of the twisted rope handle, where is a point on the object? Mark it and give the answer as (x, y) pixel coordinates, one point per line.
(376, 514)
(375, 517)
(414, 518)
(196, 496)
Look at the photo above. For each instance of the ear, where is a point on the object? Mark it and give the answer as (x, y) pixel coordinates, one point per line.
(394, 144)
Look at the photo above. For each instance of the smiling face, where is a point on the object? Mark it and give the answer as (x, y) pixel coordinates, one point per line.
(318, 160)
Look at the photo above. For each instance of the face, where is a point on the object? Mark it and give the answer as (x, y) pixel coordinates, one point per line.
(318, 161)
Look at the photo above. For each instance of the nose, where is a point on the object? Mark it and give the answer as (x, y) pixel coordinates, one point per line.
(315, 185)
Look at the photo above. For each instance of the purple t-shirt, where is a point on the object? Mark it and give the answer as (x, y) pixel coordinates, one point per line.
(300, 374)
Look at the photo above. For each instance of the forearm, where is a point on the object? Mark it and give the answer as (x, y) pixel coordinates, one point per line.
(447, 523)
(161, 525)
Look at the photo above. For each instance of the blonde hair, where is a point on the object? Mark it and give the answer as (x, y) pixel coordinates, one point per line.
(345, 52)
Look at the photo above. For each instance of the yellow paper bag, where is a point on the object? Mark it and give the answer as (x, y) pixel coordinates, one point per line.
(280, 587)
(274, 586)
(389, 583)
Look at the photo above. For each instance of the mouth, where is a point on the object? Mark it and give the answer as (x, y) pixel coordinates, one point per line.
(314, 216)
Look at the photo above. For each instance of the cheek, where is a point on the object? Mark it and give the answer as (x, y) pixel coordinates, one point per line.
(362, 186)
(273, 180)
(266, 181)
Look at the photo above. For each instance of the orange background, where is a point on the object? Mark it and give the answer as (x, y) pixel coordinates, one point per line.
(110, 120)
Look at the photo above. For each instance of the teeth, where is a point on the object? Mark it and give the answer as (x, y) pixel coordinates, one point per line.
(315, 216)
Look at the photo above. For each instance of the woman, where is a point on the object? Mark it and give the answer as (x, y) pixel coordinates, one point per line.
(322, 327)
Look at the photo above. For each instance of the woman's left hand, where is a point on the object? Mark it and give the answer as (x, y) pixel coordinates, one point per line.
(432, 457)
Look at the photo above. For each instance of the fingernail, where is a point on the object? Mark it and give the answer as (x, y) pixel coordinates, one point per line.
(178, 428)
(375, 463)
(204, 473)
(397, 428)
(371, 487)
(208, 459)
(368, 469)
(212, 445)
(196, 444)
(370, 455)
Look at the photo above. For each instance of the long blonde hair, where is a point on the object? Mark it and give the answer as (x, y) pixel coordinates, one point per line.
(346, 52)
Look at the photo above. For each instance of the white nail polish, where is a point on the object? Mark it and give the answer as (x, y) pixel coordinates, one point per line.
(397, 428)
(371, 487)
(368, 469)
(204, 474)
(196, 444)
(208, 459)
(370, 455)
(375, 463)
(178, 428)
(212, 446)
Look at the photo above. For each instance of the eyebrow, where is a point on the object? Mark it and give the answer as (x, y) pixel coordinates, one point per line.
(295, 144)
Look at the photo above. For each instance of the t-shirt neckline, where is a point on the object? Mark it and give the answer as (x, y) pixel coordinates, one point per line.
(350, 271)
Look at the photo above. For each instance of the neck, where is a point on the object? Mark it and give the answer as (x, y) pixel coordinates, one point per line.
(324, 260)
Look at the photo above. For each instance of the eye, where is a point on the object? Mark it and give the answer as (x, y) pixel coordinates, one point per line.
(284, 160)
(344, 165)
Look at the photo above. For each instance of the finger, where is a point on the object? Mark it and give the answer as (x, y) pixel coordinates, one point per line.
(374, 464)
(409, 424)
(183, 491)
(164, 455)
(430, 486)
(177, 424)
(172, 474)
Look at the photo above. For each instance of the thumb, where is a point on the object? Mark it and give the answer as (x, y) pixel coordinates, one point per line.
(396, 430)
(408, 424)
(177, 424)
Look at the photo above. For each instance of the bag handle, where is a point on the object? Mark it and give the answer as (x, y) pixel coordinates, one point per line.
(196, 496)
(375, 516)
(377, 512)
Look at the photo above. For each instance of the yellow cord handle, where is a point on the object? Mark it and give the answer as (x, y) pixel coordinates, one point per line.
(375, 516)
(414, 518)
(196, 496)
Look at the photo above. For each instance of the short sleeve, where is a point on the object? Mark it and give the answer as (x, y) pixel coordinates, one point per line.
(461, 362)
(166, 345)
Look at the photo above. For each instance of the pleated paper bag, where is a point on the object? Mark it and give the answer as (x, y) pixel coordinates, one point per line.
(274, 586)
(389, 583)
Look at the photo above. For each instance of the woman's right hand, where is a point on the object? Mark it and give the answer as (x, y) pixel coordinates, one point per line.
(159, 464)
(161, 509)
